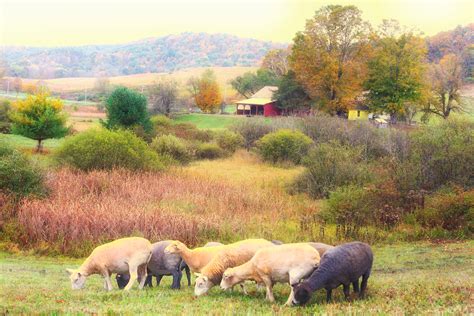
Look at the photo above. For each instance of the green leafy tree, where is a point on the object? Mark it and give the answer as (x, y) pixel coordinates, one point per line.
(290, 94)
(39, 117)
(249, 83)
(127, 109)
(396, 71)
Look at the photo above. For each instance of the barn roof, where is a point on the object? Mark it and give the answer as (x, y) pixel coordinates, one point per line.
(261, 97)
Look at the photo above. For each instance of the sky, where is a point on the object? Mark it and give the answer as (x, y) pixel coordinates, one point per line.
(81, 22)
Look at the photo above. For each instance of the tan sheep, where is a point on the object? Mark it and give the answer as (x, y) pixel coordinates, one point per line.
(126, 255)
(287, 263)
(195, 258)
(231, 255)
(320, 247)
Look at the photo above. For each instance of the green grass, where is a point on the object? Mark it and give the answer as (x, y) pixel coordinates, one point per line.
(208, 121)
(21, 142)
(419, 278)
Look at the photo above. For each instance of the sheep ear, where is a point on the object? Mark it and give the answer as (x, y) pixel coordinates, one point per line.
(70, 271)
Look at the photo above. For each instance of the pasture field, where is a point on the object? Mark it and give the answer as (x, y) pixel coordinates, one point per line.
(208, 121)
(223, 75)
(417, 278)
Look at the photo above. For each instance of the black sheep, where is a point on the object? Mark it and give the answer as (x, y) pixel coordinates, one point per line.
(343, 264)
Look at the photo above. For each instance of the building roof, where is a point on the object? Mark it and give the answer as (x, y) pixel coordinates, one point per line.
(261, 97)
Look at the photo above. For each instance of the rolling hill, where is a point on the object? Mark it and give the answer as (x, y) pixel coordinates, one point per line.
(153, 55)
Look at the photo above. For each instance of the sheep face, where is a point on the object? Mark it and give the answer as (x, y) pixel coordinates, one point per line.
(302, 294)
(228, 279)
(174, 247)
(78, 280)
(202, 285)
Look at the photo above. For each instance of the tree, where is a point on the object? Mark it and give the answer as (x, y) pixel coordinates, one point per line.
(39, 117)
(276, 61)
(446, 81)
(102, 85)
(206, 91)
(396, 71)
(329, 57)
(249, 83)
(17, 85)
(127, 108)
(163, 96)
(290, 94)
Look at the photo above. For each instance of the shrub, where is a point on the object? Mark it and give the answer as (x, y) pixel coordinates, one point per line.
(347, 207)
(104, 149)
(229, 141)
(329, 166)
(161, 121)
(172, 146)
(450, 209)
(209, 151)
(18, 174)
(444, 154)
(5, 122)
(190, 132)
(284, 145)
(252, 129)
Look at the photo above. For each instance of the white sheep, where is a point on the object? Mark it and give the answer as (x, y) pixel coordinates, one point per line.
(195, 258)
(287, 263)
(229, 256)
(126, 255)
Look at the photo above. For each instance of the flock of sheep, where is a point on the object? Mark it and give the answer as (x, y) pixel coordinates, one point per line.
(307, 267)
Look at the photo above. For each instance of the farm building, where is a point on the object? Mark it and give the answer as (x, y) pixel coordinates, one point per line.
(359, 112)
(261, 103)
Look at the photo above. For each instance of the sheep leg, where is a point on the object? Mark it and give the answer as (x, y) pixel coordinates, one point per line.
(269, 286)
(355, 285)
(142, 275)
(188, 274)
(149, 280)
(158, 279)
(363, 284)
(176, 279)
(328, 295)
(346, 289)
(289, 302)
(244, 289)
(107, 281)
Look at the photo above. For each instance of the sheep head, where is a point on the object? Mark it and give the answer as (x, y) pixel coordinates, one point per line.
(203, 284)
(229, 279)
(175, 247)
(77, 278)
(302, 293)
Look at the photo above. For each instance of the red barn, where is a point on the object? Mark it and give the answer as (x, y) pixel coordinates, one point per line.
(261, 103)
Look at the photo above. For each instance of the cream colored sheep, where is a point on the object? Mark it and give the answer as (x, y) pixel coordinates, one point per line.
(287, 263)
(231, 255)
(320, 247)
(126, 255)
(195, 258)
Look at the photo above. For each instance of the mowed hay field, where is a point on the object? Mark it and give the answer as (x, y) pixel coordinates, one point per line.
(223, 75)
(419, 278)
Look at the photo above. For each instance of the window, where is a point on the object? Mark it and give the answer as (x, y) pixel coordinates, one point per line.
(358, 113)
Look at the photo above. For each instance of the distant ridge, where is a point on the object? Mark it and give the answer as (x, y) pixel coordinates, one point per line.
(157, 54)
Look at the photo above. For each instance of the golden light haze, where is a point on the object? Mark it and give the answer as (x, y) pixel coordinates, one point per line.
(79, 22)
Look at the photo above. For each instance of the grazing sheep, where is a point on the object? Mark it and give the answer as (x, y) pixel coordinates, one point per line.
(320, 247)
(344, 264)
(286, 263)
(160, 264)
(185, 266)
(126, 255)
(195, 258)
(230, 256)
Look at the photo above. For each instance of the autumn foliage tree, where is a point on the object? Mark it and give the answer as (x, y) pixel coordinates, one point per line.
(206, 92)
(39, 117)
(396, 71)
(276, 61)
(329, 56)
(446, 81)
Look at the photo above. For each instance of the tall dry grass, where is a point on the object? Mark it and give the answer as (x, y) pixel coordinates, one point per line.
(86, 209)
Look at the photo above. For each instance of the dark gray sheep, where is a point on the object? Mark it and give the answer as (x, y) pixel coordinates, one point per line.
(161, 264)
(343, 264)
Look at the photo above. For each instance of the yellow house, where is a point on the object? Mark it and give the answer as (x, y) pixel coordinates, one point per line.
(359, 113)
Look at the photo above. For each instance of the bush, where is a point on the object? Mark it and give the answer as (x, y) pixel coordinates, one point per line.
(104, 149)
(329, 166)
(444, 154)
(190, 132)
(5, 122)
(172, 146)
(209, 151)
(229, 141)
(450, 209)
(252, 129)
(284, 145)
(161, 121)
(347, 207)
(18, 174)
